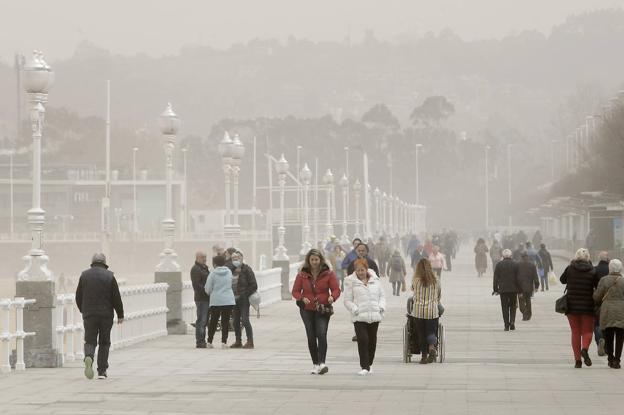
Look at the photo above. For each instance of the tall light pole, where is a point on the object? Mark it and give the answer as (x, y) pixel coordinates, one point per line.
(357, 187)
(281, 253)
(169, 126)
(306, 176)
(509, 208)
(328, 181)
(298, 174)
(418, 146)
(487, 189)
(384, 213)
(377, 194)
(346, 149)
(135, 221)
(238, 152)
(38, 79)
(225, 150)
(11, 195)
(390, 215)
(344, 183)
(184, 197)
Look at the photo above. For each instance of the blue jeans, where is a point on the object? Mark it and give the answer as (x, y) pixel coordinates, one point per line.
(201, 322)
(597, 331)
(316, 326)
(241, 312)
(427, 333)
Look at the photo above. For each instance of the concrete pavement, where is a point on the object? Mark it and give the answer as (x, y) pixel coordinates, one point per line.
(487, 371)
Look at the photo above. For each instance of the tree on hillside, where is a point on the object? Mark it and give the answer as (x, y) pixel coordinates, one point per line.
(381, 114)
(433, 110)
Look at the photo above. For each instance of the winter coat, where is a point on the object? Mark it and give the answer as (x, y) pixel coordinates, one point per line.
(398, 273)
(199, 276)
(496, 252)
(366, 303)
(351, 256)
(580, 279)
(426, 300)
(528, 280)
(506, 277)
(98, 294)
(481, 257)
(546, 260)
(535, 258)
(326, 284)
(437, 261)
(219, 287)
(247, 284)
(602, 269)
(612, 308)
(371, 265)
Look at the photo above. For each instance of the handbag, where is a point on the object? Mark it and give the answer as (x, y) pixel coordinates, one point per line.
(552, 278)
(255, 299)
(561, 305)
(440, 310)
(322, 309)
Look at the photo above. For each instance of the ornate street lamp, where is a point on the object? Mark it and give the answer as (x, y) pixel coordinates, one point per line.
(38, 79)
(237, 152)
(306, 176)
(328, 180)
(169, 125)
(225, 149)
(357, 187)
(384, 213)
(377, 195)
(344, 183)
(281, 253)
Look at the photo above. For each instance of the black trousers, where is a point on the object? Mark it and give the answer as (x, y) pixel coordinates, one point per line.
(224, 312)
(525, 305)
(367, 342)
(614, 340)
(508, 305)
(97, 332)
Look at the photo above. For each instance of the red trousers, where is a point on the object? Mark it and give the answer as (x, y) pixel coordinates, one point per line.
(582, 327)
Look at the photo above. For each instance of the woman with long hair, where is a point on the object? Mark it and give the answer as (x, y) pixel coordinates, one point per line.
(315, 289)
(427, 292)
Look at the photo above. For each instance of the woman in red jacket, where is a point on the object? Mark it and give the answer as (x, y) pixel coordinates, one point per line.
(315, 289)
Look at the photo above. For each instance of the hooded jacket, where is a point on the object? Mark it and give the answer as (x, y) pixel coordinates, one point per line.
(580, 279)
(366, 303)
(611, 290)
(219, 287)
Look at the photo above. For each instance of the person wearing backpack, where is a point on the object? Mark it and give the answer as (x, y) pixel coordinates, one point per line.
(397, 272)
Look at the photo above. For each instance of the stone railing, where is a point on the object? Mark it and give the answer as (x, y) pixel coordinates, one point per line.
(6, 335)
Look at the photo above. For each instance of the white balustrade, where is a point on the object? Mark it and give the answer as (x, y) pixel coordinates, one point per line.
(189, 313)
(292, 273)
(269, 286)
(6, 335)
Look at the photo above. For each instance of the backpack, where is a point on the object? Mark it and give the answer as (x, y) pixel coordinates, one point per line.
(397, 263)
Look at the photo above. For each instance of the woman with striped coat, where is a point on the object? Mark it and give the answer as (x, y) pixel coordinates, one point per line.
(427, 293)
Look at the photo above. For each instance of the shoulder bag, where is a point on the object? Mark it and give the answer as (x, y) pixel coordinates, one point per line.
(322, 309)
(561, 305)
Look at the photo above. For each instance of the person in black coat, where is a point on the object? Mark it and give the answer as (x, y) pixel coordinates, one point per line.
(528, 281)
(243, 285)
(580, 280)
(97, 295)
(548, 265)
(505, 284)
(602, 270)
(199, 275)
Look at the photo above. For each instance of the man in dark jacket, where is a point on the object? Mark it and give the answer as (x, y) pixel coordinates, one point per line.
(506, 285)
(418, 254)
(528, 281)
(97, 296)
(547, 263)
(601, 270)
(199, 275)
(362, 252)
(243, 285)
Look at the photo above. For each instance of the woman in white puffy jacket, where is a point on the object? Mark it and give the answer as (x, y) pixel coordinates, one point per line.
(365, 299)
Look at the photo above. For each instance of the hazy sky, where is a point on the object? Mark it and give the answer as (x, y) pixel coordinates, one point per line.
(161, 27)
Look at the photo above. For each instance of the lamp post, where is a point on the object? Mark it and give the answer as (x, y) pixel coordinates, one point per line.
(487, 189)
(418, 146)
(184, 196)
(328, 180)
(225, 150)
(169, 126)
(384, 213)
(509, 209)
(38, 79)
(238, 152)
(357, 187)
(377, 194)
(397, 215)
(11, 196)
(344, 183)
(281, 167)
(390, 215)
(306, 176)
(135, 223)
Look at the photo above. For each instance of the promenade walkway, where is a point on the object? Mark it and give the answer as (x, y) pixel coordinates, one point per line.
(487, 371)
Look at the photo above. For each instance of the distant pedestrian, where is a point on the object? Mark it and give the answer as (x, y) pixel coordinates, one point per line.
(315, 289)
(496, 253)
(219, 288)
(397, 272)
(528, 282)
(362, 251)
(580, 280)
(418, 254)
(427, 293)
(199, 275)
(610, 297)
(335, 258)
(351, 255)
(602, 270)
(505, 284)
(481, 251)
(437, 261)
(97, 295)
(366, 301)
(243, 285)
(547, 264)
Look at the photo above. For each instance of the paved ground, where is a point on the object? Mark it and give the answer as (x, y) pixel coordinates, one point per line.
(488, 371)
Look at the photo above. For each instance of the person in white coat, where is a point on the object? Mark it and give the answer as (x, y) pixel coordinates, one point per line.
(366, 301)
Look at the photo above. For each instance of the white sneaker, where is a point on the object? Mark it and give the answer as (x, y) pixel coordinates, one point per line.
(323, 369)
(315, 370)
(363, 372)
(224, 346)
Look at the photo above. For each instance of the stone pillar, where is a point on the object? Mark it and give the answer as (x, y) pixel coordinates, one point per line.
(175, 322)
(40, 350)
(285, 266)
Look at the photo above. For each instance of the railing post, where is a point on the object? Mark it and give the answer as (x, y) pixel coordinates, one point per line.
(79, 330)
(69, 326)
(5, 335)
(20, 335)
(60, 328)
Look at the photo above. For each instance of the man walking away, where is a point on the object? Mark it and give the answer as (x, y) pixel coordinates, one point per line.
(97, 296)
(506, 285)
(528, 281)
(547, 264)
(199, 275)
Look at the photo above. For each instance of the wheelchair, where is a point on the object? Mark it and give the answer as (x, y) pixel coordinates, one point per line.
(411, 344)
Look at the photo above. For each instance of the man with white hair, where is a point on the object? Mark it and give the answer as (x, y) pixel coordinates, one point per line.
(97, 296)
(610, 296)
(506, 285)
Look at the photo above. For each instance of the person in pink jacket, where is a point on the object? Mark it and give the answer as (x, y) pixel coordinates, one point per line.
(436, 258)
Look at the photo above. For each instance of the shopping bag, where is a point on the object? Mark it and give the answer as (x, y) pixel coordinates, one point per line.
(552, 278)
